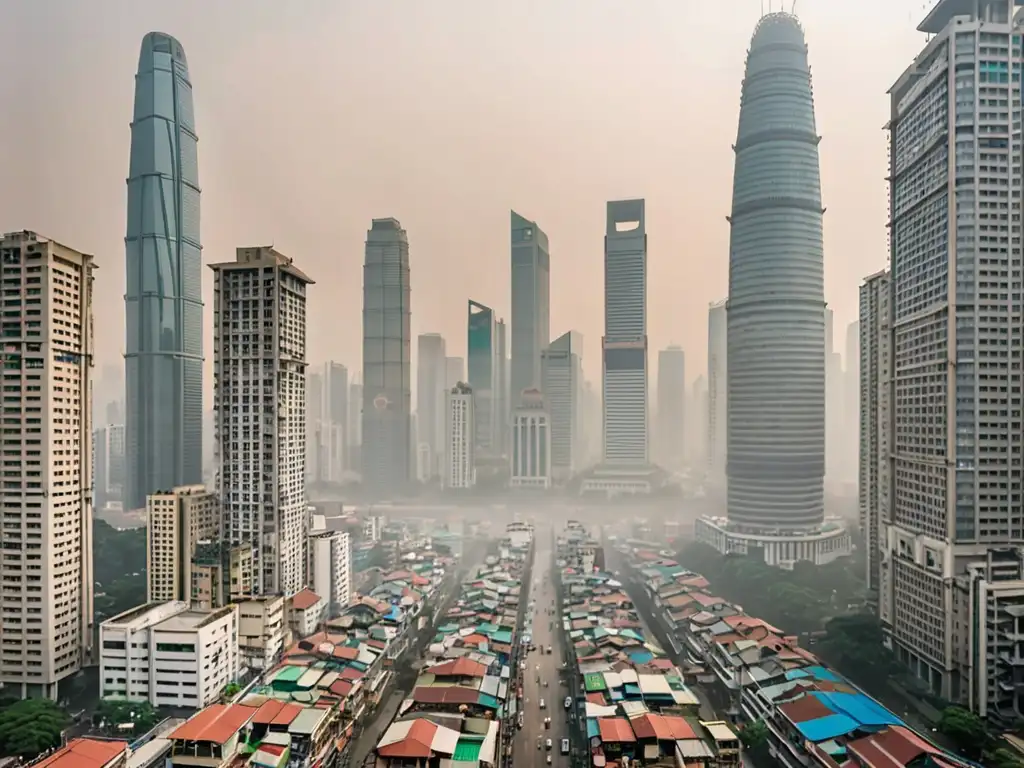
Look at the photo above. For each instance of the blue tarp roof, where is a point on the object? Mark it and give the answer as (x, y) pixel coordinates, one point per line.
(395, 614)
(640, 657)
(859, 707)
(826, 727)
(816, 672)
(593, 729)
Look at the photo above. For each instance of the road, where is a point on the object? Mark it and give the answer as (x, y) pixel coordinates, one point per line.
(543, 628)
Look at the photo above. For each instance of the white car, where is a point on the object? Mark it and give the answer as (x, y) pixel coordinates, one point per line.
(547, 744)
(568, 702)
(542, 704)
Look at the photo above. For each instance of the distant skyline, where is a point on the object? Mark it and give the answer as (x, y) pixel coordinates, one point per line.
(310, 186)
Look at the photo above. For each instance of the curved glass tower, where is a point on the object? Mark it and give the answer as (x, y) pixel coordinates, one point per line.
(776, 309)
(163, 296)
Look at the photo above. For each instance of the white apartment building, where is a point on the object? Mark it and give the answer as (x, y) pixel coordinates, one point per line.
(431, 371)
(562, 384)
(373, 527)
(956, 291)
(718, 392)
(330, 569)
(261, 631)
(177, 520)
(531, 443)
(169, 655)
(460, 443)
(46, 620)
(873, 467)
(259, 308)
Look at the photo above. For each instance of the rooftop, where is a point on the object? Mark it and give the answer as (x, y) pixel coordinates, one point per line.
(217, 724)
(84, 753)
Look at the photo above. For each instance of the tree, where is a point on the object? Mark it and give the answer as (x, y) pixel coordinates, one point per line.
(230, 691)
(754, 736)
(1002, 758)
(966, 729)
(116, 712)
(30, 727)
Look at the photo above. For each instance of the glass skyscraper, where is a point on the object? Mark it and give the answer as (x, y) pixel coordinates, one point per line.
(163, 295)
(482, 372)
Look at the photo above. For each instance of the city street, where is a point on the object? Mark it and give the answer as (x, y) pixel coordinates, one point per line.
(544, 631)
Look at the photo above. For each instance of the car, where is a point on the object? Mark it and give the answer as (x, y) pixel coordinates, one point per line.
(545, 683)
(565, 746)
(540, 743)
(549, 650)
(568, 702)
(549, 759)
(547, 723)
(543, 705)
(547, 744)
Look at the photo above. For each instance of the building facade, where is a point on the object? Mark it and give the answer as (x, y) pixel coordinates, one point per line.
(483, 374)
(624, 346)
(163, 293)
(47, 618)
(531, 304)
(387, 438)
(260, 400)
(176, 522)
(531, 443)
(314, 427)
(718, 393)
(334, 428)
(562, 385)
(431, 373)
(775, 316)
(460, 442)
(671, 423)
(503, 419)
(330, 569)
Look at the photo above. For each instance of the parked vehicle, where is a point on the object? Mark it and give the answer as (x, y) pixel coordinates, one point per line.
(568, 702)
(565, 746)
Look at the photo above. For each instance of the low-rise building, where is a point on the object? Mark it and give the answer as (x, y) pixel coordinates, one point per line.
(261, 631)
(169, 655)
(306, 610)
(330, 569)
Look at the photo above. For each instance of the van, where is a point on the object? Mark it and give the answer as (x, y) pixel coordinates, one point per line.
(565, 746)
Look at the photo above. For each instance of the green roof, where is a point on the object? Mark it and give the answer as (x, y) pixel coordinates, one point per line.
(289, 674)
(468, 749)
(501, 637)
(594, 682)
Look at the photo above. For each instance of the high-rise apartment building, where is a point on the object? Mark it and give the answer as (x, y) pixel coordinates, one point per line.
(460, 439)
(259, 373)
(330, 569)
(851, 403)
(163, 294)
(562, 385)
(718, 390)
(314, 427)
(951, 573)
(334, 422)
(177, 521)
(455, 371)
(108, 466)
(671, 422)
(696, 434)
(47, 618)
(834, 417)
(531, 442)
(531, 304)
(387, 458)
(431, 391)
(483, 374)
(624, 346)
(873, 483)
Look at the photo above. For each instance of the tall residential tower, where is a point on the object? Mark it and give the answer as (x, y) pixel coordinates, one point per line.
(163, 293)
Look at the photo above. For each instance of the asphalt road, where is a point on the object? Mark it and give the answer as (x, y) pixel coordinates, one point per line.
(525, 752)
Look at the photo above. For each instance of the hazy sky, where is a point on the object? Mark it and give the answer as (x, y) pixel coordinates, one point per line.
(315, 116)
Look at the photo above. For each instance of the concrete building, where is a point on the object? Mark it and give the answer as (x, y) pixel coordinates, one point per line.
(955, 291)
(460, 443)
(455, 371)
(387, 366)
(502, 398)
(873, 484)
(562, 385)
(483, 375)
(261, 631)
(334, 429)
(783, 548)
(775, 314)
(718, 393)
(176, 522)
(851, 402)
(353, 453)
(531, 443)
(696, 434)
(221, 574)
(47, 618)
(169, 655)
(671, 422)
(315, 427)
(531, 304)
(330, 569)
(262, 295)
(835, 419)
(163, 352)
(108, 467)
(431, 372)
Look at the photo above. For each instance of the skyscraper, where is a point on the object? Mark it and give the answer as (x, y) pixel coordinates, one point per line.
(482, 372)
(460, 464)
(353, 457)
(531, 288)
(46, 624)
(833, 405)
(775, 317)
(335, 421)
(717, 393)
(624, 346)
(671, 426)
(387, 371)
(260, 401)
(562, 385)
(503, 416)
(455, 371)
(314, 427)
(431, 372)
(163, 293)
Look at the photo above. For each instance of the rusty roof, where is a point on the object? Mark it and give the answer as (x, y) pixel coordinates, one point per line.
(216, 724)
(84, 753)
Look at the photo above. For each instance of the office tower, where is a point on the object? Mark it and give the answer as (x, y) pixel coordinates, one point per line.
(260, 400)
(955, 293)
(455, 371)
(531, 289)
(482, 365)
(718, 392)
(330, 569)
(314, 428)
(592, 413)
(671, 428)
(873, 410)
(177, 520)
(624, 346)
(335, 422)
(531, 442)
(562, 384)
(851, 402)
(431, 390)
(117, 462)
(460, 439)
(503, 419)
(47, 621)
(355, 421)
(108, 466)
(775, 313)
(387, 463)
(696, 434)
(833, 404)
(163, 295)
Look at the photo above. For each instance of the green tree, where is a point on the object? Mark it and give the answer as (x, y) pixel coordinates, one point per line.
(116, 712)
(1002, 758)
(754, 736)
(31, 726)
(230, 690)
(965, 729)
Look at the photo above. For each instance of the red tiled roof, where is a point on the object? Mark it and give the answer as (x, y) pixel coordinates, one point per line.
(662, 727)
(707, 600)
(288, 713)
(597, 698)
(895, 747)
(351, 673)
(805, 708)
(342, 688)
(416, 743)
(267, 712)
(615, 729)
(445, 694)
(304, 600)
(217, 723)
(84, 753)
(461, 667)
